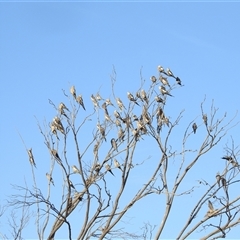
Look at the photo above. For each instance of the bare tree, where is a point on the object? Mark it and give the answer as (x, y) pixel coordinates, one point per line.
(91, 155)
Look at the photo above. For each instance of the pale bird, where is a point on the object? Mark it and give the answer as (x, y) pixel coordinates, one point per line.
(117, 164)
(164, 91)
(50, 179)
(75, 169)
(73, 91)
(114, 144)
(107, 166)
(79, 100)
(31, 158)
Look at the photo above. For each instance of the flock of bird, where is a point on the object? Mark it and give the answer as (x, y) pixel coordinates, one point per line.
(140, 99)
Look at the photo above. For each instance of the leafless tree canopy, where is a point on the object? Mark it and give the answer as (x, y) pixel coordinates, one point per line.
(94, 151)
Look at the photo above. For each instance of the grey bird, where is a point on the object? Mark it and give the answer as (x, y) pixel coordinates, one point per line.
(108, 102)
(144, 95)
(131, 98)
(94, 101)
(205, 119)
(107, 166)
(164, 80)
(55, 154)
(71, 184)
(31, 158)
(50, 178)
(121, 134)
(159, 99)
(75, 169)
(120, 104)
(194, 127)
(153, 79)
(58, 124)
(117, 164)
(54, 130)
(62, 106)
(118, 123)
(107, 117)
(97, 167)
(169, 72)
(79, 100)
(218, 177)
(102, 131)
(98, 97)
(114, 144)
(73, 91)
(164, 91)
(160, 68)
(117, 114)
(104, 106)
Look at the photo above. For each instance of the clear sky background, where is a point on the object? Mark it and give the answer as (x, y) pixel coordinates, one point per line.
(47, 47)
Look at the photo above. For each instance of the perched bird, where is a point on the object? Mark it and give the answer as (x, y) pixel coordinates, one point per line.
(153, 79)
(58, 124)
(131, 98)
(144, 95)
(164, 91)
(164, 80)
(73, 91)
(117, 164)
(159, 99)
(114, 144)
(160, 68)
(218, 177)
(104, 106)
(108, 102)
(94, 100)
(62, 106)
(95, 148)
(102, 131)
(120, 104)
(178, 81)
(75, 169)
(205, 119)
(71, 184)
(117, 114)
(98, 97)
(79, 100)
(211, 211)
(31, 158)
(169, 72)
(228, 158)
(97, 167)
(55, 154)
(118, 123)
(121, 134)
(50, 178)
(54, 129)
(108, 168)
(194, 127)
(107, 117)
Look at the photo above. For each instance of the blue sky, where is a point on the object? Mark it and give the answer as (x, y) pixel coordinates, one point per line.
(47, 47)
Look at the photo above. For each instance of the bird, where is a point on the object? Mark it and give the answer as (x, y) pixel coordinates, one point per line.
(205, 119)
(228, 158)
(159, 99)
(102, 131)
(169, 72)
(211, 211)
(160, 68)
(114, 144)
(75, 169)
(194, 126)
(120, 104)
(164, 91)
(144, 95)
(71, 184)
(117, 164)
(73, 91)
(31, 158)
(62, 106)
(108, 168)
(107, 117)
(97, 167)
(153, 79)
(118, 123)
(121, 134)
(178, 81)
(131, 98)
(108, 102)
(79, 100)
(58, 124)
(164, 80)
(55, 154)
(94, 100)
(98, 97)
(54, 129)
(218, 177)
(50, 178)
(117, 114)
